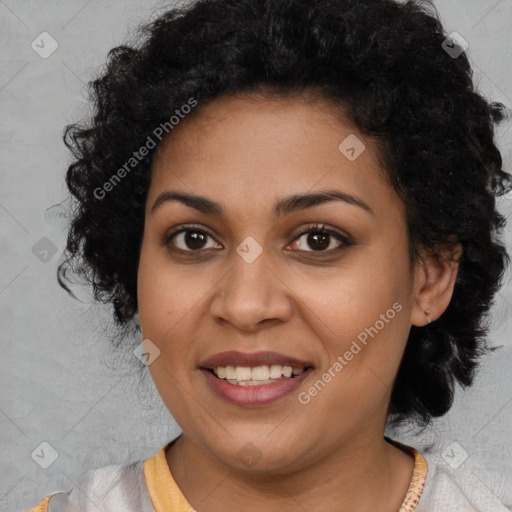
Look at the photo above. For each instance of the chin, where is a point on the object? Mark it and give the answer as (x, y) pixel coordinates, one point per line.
(261, 453)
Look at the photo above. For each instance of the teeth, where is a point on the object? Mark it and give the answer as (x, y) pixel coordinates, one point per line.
(287, 371)
(243, 373)
(275, 371)
(230, 372)
(247, 376)
(260, 373)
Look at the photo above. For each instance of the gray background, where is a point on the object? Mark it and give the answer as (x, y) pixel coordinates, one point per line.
(60, 383)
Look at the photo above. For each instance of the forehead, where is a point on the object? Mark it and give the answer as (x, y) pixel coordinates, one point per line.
(258, 147)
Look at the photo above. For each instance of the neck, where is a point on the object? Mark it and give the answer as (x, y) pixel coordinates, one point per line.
(367, 475)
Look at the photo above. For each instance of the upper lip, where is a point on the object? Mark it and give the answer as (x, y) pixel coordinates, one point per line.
(234, 358)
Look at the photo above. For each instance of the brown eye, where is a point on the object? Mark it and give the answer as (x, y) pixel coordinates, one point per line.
(190, 240)
(321, 240)
(318, 241)
(195, 239)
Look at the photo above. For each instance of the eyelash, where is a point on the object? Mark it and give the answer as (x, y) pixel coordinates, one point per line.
(345, 240)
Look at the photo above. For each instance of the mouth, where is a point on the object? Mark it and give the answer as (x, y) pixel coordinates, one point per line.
(254, 379)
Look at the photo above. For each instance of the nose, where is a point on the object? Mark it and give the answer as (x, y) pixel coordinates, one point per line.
(251, 296)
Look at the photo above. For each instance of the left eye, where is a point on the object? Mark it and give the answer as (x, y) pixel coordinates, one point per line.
(320, 239)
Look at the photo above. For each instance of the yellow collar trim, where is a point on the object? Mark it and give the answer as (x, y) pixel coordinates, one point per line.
(163, 489)
(167, 496)
(419, 475)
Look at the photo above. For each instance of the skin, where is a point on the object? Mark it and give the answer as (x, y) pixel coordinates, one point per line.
(329, 454)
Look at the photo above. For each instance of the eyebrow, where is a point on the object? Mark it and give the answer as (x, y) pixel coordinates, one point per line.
(282, 208)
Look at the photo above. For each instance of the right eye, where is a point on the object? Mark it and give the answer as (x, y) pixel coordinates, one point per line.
(189, 239)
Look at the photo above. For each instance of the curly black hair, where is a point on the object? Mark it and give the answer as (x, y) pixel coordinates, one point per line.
(386, 64)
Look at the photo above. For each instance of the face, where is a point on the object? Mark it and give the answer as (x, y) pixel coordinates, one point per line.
(233, 287)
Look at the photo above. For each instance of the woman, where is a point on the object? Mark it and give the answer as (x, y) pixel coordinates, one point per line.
(296, 201)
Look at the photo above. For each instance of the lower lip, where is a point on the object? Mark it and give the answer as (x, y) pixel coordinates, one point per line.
(251, 396)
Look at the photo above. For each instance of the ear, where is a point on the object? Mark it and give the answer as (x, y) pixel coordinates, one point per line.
(434, 280)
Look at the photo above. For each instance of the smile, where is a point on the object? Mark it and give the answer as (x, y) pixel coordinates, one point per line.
(257, 375)
(255, 379)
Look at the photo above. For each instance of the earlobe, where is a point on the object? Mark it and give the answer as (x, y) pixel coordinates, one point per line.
(435, 276)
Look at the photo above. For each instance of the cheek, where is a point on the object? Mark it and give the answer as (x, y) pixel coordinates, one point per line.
(164, 300)
(165, 293)
(356, 296)
(172, 304)
(362, 319)
(363, 347)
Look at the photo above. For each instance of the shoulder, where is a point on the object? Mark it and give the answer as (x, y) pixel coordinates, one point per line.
(455, 490)
(114, 487)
